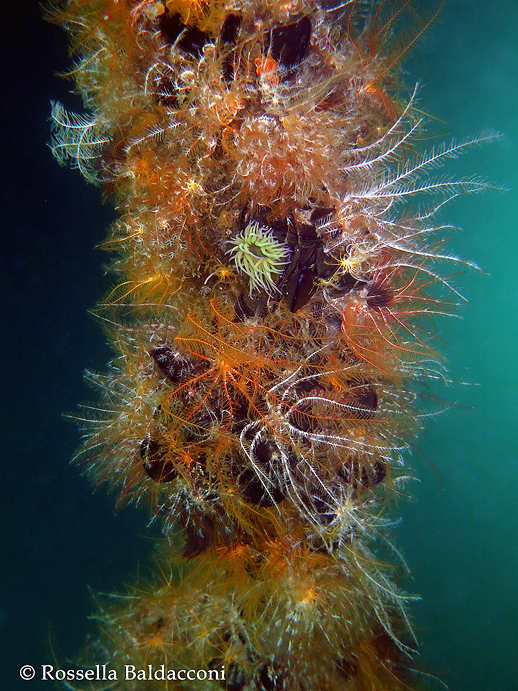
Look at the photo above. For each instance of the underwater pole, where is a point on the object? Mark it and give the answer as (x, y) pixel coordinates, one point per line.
(277, 272)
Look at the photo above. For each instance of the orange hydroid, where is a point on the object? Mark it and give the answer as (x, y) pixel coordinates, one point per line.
(278, 272)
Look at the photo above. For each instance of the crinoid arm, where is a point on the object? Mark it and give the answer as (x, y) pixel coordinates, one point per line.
(77, 139)
(279, 266)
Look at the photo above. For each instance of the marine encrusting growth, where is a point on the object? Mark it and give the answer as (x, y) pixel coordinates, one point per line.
(271, 322)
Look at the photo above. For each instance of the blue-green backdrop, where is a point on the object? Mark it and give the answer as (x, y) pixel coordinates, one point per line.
(462, 539)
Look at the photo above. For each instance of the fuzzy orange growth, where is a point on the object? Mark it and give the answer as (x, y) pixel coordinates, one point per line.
(220, 273)
(203, 14)
(266, 430)
(404, 21)
(156, 289)
(266, 69)
(280, 160)
(158, 643)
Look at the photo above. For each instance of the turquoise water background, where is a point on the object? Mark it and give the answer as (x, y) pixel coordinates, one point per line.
(459, 537)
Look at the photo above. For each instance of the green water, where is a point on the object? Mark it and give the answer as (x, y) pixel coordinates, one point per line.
(461, 539)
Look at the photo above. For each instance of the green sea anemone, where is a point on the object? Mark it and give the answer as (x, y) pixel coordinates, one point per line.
(257, 254)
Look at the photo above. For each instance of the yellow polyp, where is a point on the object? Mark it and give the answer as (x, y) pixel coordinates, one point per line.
(220, 273)
(192, 12)
(156, 289)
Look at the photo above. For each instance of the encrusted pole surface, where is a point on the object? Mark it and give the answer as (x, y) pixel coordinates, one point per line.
(272, 323)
